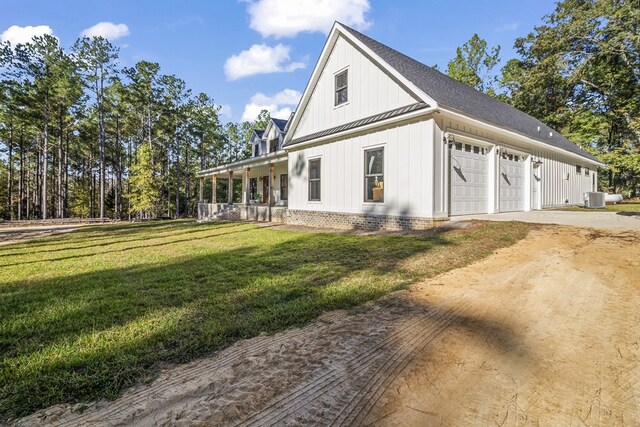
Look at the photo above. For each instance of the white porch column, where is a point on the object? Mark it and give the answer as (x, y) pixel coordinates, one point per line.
(272, 198)
(230, 195)
(245, 184)
(214, 188)
(201, 190)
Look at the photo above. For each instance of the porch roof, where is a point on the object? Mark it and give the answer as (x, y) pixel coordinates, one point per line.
(265, 159)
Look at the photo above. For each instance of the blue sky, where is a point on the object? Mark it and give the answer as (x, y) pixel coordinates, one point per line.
(216, 46)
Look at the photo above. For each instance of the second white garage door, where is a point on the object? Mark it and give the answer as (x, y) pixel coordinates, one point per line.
(511, 183)
(469, 177)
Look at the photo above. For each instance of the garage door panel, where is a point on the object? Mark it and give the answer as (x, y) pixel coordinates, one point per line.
(468, 179)
(512, 189)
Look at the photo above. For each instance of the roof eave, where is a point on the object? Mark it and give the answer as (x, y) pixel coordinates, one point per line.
(521, 136)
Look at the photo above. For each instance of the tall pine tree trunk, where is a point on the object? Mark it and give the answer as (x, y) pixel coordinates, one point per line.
(10, 172)
(119, 175)
(178, 172)
(129, 182)
(66, 179)
(187, 186)
(168, 182)
(45, 166)
(102, 161)
(22, 175)
(60, 199)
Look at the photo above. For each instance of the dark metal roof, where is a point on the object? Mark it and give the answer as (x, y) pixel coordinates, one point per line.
(259, 132)
(359, 123)
(280, 123)
(452, 94)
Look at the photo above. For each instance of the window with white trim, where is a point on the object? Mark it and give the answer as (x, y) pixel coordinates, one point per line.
(374, 175)
(342, 95)
(314, 180)
(578, 169)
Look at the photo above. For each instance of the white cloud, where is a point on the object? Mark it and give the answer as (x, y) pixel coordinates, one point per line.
(279, 105)
(225, 110)
(508, 27)
(20, 35)
(286, 18)
(260, 59)
(108, 30)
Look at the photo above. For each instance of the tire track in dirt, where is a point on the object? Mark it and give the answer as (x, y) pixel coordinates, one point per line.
(142, 396)
(343, 385)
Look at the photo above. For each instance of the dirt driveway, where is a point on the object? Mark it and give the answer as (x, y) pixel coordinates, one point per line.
(543, 333)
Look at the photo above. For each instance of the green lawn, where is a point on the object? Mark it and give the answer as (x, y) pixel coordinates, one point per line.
(86, 314)
(620, 207)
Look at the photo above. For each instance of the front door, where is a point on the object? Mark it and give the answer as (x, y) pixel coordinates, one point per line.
(535, 187)
(265, 189)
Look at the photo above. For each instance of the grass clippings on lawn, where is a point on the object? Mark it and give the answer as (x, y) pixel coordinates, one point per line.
(87, 314)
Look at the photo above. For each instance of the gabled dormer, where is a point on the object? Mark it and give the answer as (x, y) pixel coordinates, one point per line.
(257, 143)
(269, 140)
(274, 135)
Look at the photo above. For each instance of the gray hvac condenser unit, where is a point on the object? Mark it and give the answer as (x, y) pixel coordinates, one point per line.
(594, 199)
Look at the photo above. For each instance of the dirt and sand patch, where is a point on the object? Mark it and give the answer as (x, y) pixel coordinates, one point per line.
(543, 332)
(17, 234)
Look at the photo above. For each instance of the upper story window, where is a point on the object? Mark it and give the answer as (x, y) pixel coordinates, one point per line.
(273, 145)
(341, 88)
(578, 169)
(256, 150)
(586, 171)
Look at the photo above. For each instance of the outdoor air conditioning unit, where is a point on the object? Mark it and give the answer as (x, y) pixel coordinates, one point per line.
(594, 199)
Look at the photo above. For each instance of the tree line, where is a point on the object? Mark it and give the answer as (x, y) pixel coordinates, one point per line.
(82, 137)
(579, 72)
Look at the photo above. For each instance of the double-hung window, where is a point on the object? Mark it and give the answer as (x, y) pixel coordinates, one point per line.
(374, 175)
(314, 180)
(342, 95)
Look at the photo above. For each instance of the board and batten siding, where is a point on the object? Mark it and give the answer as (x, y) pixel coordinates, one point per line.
(559, 181)
(408, 172)
(370, 91)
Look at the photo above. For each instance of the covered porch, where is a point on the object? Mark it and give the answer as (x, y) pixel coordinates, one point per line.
(250, 189)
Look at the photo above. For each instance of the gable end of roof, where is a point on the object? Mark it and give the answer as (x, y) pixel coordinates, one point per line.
(452, 94)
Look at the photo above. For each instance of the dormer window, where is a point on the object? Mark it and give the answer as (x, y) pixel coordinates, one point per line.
(341, 88)
(256, 150)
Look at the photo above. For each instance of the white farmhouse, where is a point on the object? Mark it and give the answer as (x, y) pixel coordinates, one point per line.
(380, 140)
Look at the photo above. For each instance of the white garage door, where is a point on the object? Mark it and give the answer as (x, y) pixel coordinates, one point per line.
(511, 183)
(469, 179)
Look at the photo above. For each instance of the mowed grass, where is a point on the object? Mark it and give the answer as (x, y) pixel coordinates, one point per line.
(87, 314)
(618, 207)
